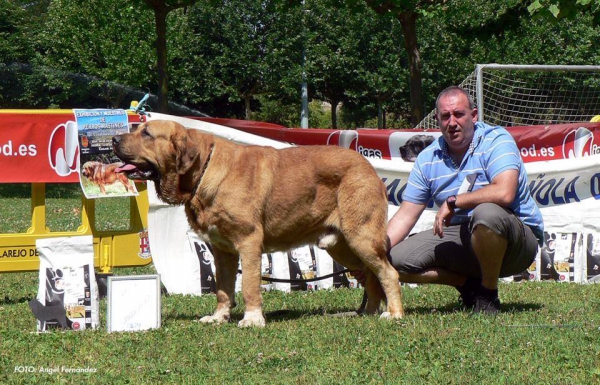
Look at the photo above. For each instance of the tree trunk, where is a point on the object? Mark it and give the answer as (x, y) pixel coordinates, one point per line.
(160, 13)
(380, 115)
(408, 21)
(247, 106)
(334, 105)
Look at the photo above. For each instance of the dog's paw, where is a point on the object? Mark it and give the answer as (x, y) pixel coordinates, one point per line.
(253, 320)
(218, 319)
(252, 323)
(388, 315)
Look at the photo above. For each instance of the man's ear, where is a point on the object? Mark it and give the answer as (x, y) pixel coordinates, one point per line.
(187, 152)
(474, 115)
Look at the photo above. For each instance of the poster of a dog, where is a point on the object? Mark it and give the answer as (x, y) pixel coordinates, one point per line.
(98, 164)
(100, 179)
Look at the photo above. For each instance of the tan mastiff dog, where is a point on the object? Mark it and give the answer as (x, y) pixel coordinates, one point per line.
(248, 200)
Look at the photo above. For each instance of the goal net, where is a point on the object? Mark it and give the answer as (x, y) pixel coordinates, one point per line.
(522, 95)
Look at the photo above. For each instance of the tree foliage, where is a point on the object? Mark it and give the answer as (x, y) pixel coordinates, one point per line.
(16, 50)
(408, 12)
(560, 9)
(245, 48)
(234, 58)
(161, 9)
(103, 45)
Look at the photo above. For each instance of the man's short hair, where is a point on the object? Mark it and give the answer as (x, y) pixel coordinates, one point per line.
(454, 90)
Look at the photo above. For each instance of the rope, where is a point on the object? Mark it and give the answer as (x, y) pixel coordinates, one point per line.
(281, 280)
(359, 311)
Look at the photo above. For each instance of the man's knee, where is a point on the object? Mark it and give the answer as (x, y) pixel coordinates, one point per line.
(488, 211)
(404, 263)
(482, 232)
(408, 257)
(489, 218)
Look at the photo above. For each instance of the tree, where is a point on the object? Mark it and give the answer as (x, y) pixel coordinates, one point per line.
(384, 67)
(100, 45)
(161, 10)
(498, 32)
(244, 48)
(407, 12)
(333, 56)
(10, 48)
(78, 55)
(12, 20)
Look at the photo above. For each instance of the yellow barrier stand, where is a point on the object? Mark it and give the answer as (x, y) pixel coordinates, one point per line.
(118, 248)
(112, 248)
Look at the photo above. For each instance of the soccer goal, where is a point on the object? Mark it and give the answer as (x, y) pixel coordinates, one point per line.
(522, 95)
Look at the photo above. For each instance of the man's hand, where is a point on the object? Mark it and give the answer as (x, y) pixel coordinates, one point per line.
(501, 191)
(442, 218)
(360, 276)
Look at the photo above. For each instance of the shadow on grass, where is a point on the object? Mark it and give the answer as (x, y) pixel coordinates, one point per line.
(14, 301)
(289, 315)
(518, 307)
(284, 315)
(510, 307)
(275, 315)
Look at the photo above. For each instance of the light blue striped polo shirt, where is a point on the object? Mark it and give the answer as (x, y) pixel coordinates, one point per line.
(492, 151)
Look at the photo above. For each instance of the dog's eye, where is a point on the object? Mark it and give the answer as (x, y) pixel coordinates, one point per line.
(145, 133)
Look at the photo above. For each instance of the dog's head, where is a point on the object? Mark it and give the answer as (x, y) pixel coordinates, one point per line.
(165, 152)
(414, 145)
(88, 169)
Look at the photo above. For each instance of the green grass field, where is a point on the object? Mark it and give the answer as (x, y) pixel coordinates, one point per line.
(547, 333)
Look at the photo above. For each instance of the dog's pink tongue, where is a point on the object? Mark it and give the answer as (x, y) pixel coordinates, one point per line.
(125, 167)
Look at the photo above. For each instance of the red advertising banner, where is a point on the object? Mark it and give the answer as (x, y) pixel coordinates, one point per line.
(37, 146)
(40, 146)
(536, 143)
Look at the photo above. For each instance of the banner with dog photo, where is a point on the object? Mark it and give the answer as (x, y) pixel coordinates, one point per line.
(99, 176)
(561, 257)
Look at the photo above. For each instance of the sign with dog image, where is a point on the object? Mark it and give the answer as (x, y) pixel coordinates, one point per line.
(99, 167)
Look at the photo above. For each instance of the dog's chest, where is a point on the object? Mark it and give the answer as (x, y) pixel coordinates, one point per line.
(216, 239)
(203, 222)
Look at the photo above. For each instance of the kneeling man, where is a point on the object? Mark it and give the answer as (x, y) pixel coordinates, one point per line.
(487, 226)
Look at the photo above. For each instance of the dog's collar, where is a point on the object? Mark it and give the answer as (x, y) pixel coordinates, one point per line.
(212, 148)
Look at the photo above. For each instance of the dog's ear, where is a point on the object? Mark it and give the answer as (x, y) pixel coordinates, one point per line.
(187, 151)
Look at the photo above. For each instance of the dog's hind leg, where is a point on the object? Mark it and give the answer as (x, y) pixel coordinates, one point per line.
(226, 265)
(381, 276)
(363, 222)
(127, 184)
(343, 254)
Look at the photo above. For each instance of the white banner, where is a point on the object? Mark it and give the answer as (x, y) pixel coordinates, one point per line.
(566, 190)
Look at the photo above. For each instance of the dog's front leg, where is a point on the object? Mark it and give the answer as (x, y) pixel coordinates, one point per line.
(226, 265)
(251, 255)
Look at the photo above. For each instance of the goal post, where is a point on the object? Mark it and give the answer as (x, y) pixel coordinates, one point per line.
(522, 95)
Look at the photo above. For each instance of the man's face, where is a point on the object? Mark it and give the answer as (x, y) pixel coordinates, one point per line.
(456, 121)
